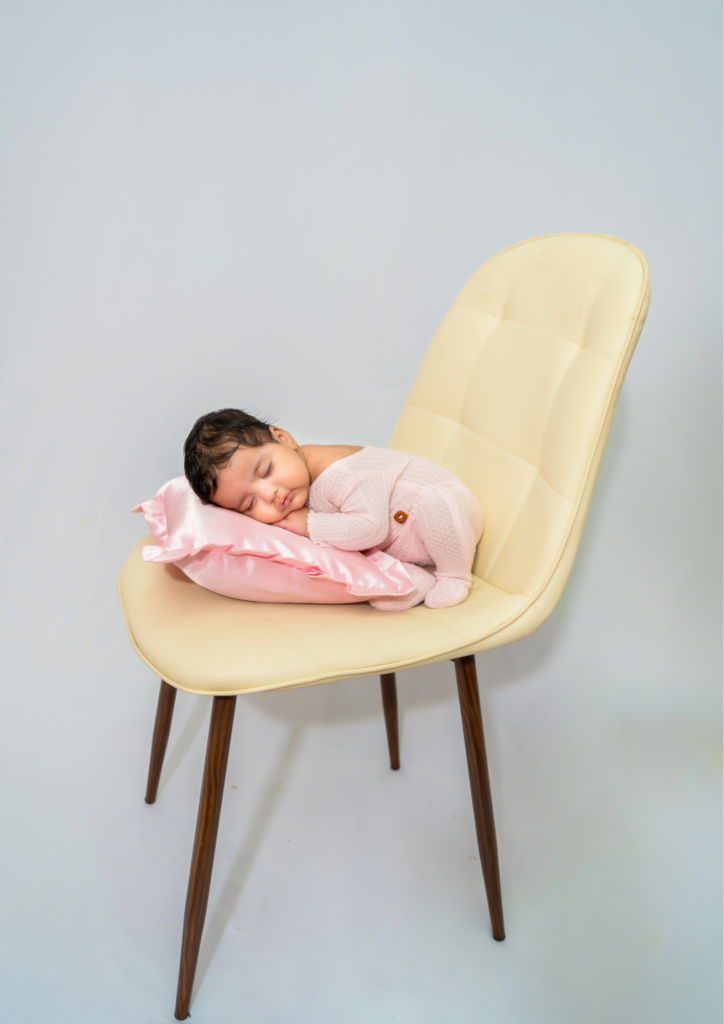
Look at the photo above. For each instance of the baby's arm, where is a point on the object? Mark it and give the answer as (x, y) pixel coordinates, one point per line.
(363, 520)
(349, 531)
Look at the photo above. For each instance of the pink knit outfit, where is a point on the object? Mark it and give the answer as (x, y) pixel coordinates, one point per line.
(412, 509)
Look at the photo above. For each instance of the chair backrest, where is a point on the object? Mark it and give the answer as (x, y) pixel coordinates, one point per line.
(517, 391)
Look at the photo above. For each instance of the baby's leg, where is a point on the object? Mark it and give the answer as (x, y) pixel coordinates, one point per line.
(424, 582)
(449, 525)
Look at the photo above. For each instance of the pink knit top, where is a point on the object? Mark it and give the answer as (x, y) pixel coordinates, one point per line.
(354, 502)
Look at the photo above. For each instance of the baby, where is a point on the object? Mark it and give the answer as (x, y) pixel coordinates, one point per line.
(344, 497)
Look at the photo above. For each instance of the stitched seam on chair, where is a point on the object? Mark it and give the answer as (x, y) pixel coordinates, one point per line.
(293, 636)
(493, 444)
(458, 427)
(607, 400)
(452, 435)
(535, 608)
(462, 426)
(542, 330)
(546, 238)
(369, 670)
(477, 309)
(588, 318)
(516, 275)
(418, 612)
(513, 520)
(522, 323)
(613, 391)
(537, 472)
(616, 384)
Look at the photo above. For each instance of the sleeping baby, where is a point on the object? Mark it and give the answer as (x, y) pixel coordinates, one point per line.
(343, 497)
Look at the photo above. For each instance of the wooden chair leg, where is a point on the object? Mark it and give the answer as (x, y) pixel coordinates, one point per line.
(467, 680)
(389, 703)
(161, 730)
(202, 860)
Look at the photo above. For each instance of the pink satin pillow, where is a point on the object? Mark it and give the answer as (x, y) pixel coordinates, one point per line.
(235, 556)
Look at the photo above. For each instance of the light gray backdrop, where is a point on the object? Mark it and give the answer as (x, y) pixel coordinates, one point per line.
(273, 205)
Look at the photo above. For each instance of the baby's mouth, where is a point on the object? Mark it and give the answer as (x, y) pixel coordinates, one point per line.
(285, 501)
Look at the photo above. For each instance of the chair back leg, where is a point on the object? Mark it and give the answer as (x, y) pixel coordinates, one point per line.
(389, 704)
(467, 680)
(202, 860)
(161, 730)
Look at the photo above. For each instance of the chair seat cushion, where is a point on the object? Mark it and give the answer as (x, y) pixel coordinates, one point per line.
(205, 643)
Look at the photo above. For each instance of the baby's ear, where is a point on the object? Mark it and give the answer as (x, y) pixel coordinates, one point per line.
(283, 437)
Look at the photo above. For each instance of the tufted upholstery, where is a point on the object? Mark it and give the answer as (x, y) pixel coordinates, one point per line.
(516, 396)
(515, 388)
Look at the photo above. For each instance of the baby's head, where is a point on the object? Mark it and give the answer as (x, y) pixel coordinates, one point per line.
(236, 461)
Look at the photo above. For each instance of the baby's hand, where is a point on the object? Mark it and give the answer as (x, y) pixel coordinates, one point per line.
(295, 522)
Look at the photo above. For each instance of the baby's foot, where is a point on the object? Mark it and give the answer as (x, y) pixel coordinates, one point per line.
(423, 581)
(448, 591)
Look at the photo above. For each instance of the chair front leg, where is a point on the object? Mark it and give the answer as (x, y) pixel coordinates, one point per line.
(202, 860)
(467, 681)
(161, 730)
(389, 704)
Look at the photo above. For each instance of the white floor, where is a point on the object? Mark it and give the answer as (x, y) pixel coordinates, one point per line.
(347, 892)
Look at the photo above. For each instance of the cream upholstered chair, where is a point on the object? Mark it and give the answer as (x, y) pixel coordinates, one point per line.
(516, 396)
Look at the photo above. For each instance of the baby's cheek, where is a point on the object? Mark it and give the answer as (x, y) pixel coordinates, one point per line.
(261, 516)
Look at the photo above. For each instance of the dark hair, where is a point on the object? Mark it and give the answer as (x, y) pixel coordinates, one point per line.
(213, 440)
